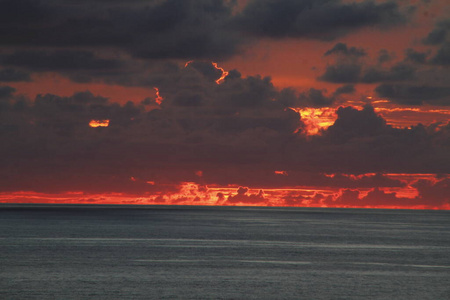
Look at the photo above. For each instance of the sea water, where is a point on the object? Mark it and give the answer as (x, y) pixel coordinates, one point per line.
(151, 252)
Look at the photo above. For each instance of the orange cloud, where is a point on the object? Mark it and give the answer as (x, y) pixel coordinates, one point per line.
(430, 194)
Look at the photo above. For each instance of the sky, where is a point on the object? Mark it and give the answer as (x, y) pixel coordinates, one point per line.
(312, 103)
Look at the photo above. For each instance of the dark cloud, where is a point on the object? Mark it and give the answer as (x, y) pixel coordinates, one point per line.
(14, 75)
(369, 123)
(220, 123)
(415, 56)
(348, 67)
(342, 73)
(206, 69)
(438, 192)
(345, 89)
(354, 72)
(263, 177)
(442, 56)
(59, 60)
(409, 94)
(361, 141)
(431, 195)
(293, 199)
(439, 34)
(238, 132)
(6, 92)
(118, 43)
(324, 19)
(342, 49)
(398, 72)
(375, 198)
(150, 29)
(310, 98)
(315, 98)
(384, 56)
(365, 181)
(243, 198)
(78, 65)
(182, 28)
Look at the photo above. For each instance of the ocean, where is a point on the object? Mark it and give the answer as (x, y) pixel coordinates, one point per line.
(186, 252)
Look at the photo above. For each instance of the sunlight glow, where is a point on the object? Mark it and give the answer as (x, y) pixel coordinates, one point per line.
(99, 123)
(317, 119)
(224, 73)
(284, 173)
(158, 98)
(193, 193)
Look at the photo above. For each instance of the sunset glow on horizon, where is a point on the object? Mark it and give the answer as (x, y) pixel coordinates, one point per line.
(191, 193)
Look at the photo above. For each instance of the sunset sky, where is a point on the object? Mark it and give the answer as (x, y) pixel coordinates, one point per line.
(321, 103)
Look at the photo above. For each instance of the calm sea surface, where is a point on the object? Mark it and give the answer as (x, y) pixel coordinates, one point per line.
(108, 252)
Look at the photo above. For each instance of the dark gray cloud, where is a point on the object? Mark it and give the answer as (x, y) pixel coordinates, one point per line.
(13, 75)
(418, 79)
(361, 140)
(78, 65)
(6, 92)
(242, 197)
(181, 29)
(442, 56)
(398, 72)
(424, 76)
(410, 94)
(342, 73)
(59, 60)
(198, 118)
(348, 67)
(435, 191)
(323, 19)
(431, 195)
(384, 56)
(120, 43)
(379, 198)
(310, 98)
(358, 72)
(345, 89)
(149, 29)
(439, 34)
(315, 98)
(415, 56)
(369, 124)
(238, 132)
(341, 48)
(267, 178)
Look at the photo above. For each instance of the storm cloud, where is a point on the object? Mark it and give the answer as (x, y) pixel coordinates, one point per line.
(415, 94)
(323, 20)
(349, 67)
(186, 29)
(14, 75)
(242, 126)
(149, 29)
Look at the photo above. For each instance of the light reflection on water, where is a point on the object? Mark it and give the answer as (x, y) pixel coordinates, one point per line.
(223, 253)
